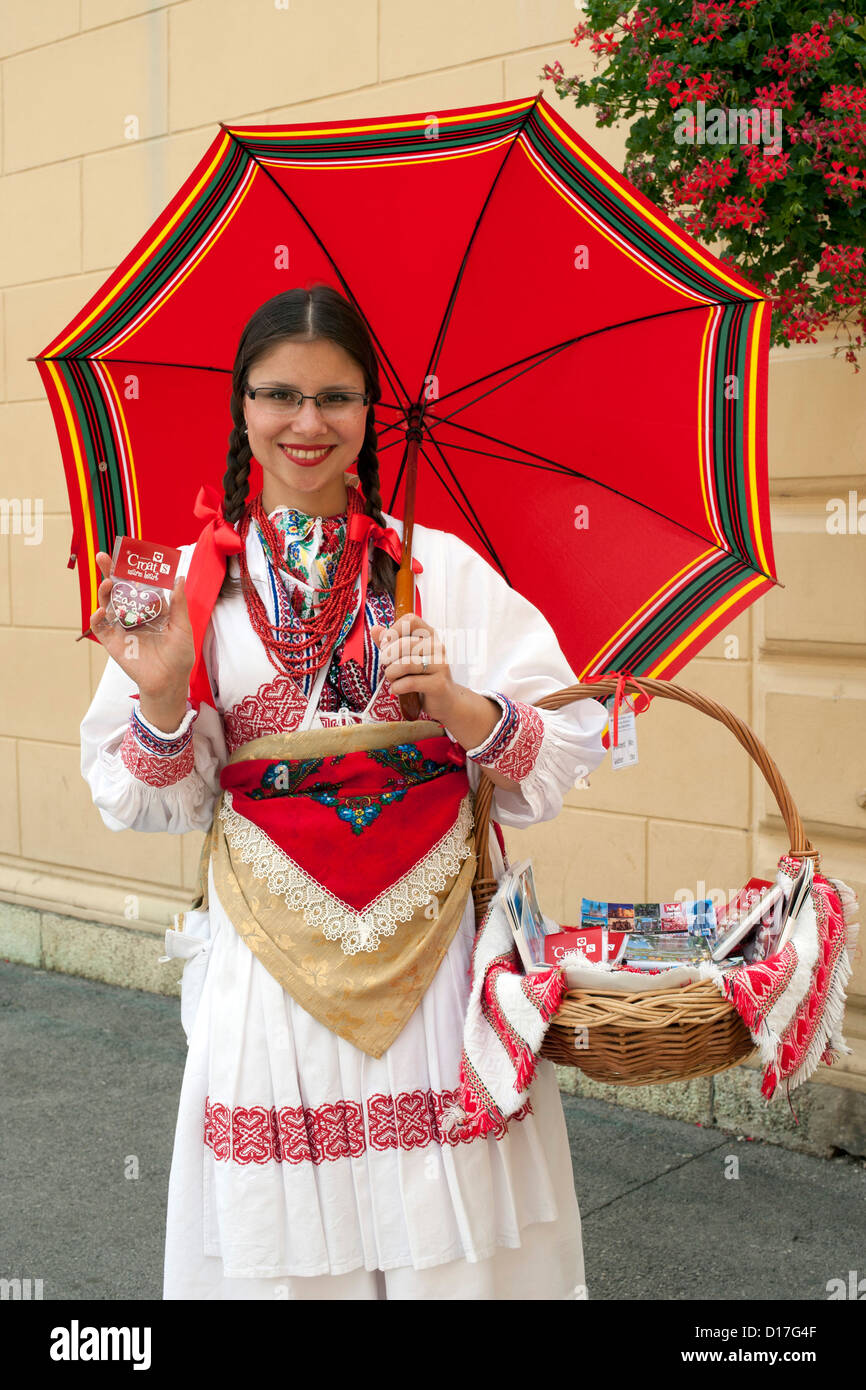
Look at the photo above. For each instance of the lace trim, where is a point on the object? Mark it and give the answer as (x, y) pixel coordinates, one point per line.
(355, 931)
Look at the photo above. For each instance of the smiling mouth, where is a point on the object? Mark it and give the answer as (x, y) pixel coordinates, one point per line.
(307, 457)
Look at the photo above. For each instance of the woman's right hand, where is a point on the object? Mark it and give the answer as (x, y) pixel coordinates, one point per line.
(160, 663)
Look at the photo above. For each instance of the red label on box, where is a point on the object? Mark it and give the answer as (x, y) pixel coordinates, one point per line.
(587, 939)
(144, 562)
(615, 940)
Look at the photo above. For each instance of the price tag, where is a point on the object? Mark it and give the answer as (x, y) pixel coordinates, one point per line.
(625, 751)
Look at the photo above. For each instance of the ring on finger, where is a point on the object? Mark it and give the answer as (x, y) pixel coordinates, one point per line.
(425, 660)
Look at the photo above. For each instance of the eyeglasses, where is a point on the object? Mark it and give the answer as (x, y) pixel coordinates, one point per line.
(284, 403)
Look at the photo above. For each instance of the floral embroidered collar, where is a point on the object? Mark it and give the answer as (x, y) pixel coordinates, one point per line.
(312, 546)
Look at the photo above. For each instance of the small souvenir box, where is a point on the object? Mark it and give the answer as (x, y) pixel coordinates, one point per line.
(144, 576)
(596, 943)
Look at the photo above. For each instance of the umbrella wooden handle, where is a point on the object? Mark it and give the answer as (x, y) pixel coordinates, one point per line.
(404, 592)
(404, 602)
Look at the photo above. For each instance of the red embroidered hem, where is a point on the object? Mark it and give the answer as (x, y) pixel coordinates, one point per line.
(302, 1134)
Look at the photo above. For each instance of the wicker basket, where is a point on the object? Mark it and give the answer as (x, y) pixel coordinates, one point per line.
(668, 1035)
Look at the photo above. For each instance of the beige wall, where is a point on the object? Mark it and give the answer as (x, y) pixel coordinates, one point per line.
(76, 194)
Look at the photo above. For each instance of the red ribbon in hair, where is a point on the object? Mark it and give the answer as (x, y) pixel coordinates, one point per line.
(204, 579)
(362, 528)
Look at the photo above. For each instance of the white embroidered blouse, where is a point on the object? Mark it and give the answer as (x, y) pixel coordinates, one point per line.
(497, 643)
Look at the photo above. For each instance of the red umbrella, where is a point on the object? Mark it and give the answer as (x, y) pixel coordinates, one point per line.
(580, 378)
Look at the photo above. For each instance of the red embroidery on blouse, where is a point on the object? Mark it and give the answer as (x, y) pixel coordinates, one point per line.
(156, 769)
(277, 707)
(385, 704)
(315, 1134)
(517, 756)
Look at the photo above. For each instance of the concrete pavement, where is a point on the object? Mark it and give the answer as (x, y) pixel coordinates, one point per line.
(90, 1080)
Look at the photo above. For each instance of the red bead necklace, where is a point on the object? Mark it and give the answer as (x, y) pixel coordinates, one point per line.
(318, 631)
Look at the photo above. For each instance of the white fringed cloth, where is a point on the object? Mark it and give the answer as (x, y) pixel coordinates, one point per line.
(507, 1018)
(793, 1003)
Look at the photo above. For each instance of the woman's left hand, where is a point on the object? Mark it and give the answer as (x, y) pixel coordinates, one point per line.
(402, 648)
(466, 715)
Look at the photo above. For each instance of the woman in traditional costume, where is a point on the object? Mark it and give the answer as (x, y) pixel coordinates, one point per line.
(329, 953)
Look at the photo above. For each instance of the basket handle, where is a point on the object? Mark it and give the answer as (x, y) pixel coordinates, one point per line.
(485, 885)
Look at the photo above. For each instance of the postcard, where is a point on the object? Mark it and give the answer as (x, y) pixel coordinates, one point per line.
(662, 950)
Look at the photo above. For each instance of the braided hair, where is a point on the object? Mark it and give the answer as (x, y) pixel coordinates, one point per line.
(319, 311)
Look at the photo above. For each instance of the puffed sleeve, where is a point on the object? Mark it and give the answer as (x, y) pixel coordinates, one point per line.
(508, 651)
(145, 778)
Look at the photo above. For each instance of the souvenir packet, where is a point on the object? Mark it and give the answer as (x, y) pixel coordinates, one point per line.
(672, 918)
(144, 575)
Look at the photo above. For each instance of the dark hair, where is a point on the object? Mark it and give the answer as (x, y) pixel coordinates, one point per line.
(318, 311)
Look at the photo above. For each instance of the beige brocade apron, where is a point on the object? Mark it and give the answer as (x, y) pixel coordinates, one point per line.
(369, 996)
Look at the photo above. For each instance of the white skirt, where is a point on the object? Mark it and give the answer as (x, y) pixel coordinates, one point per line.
(303, 1168)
